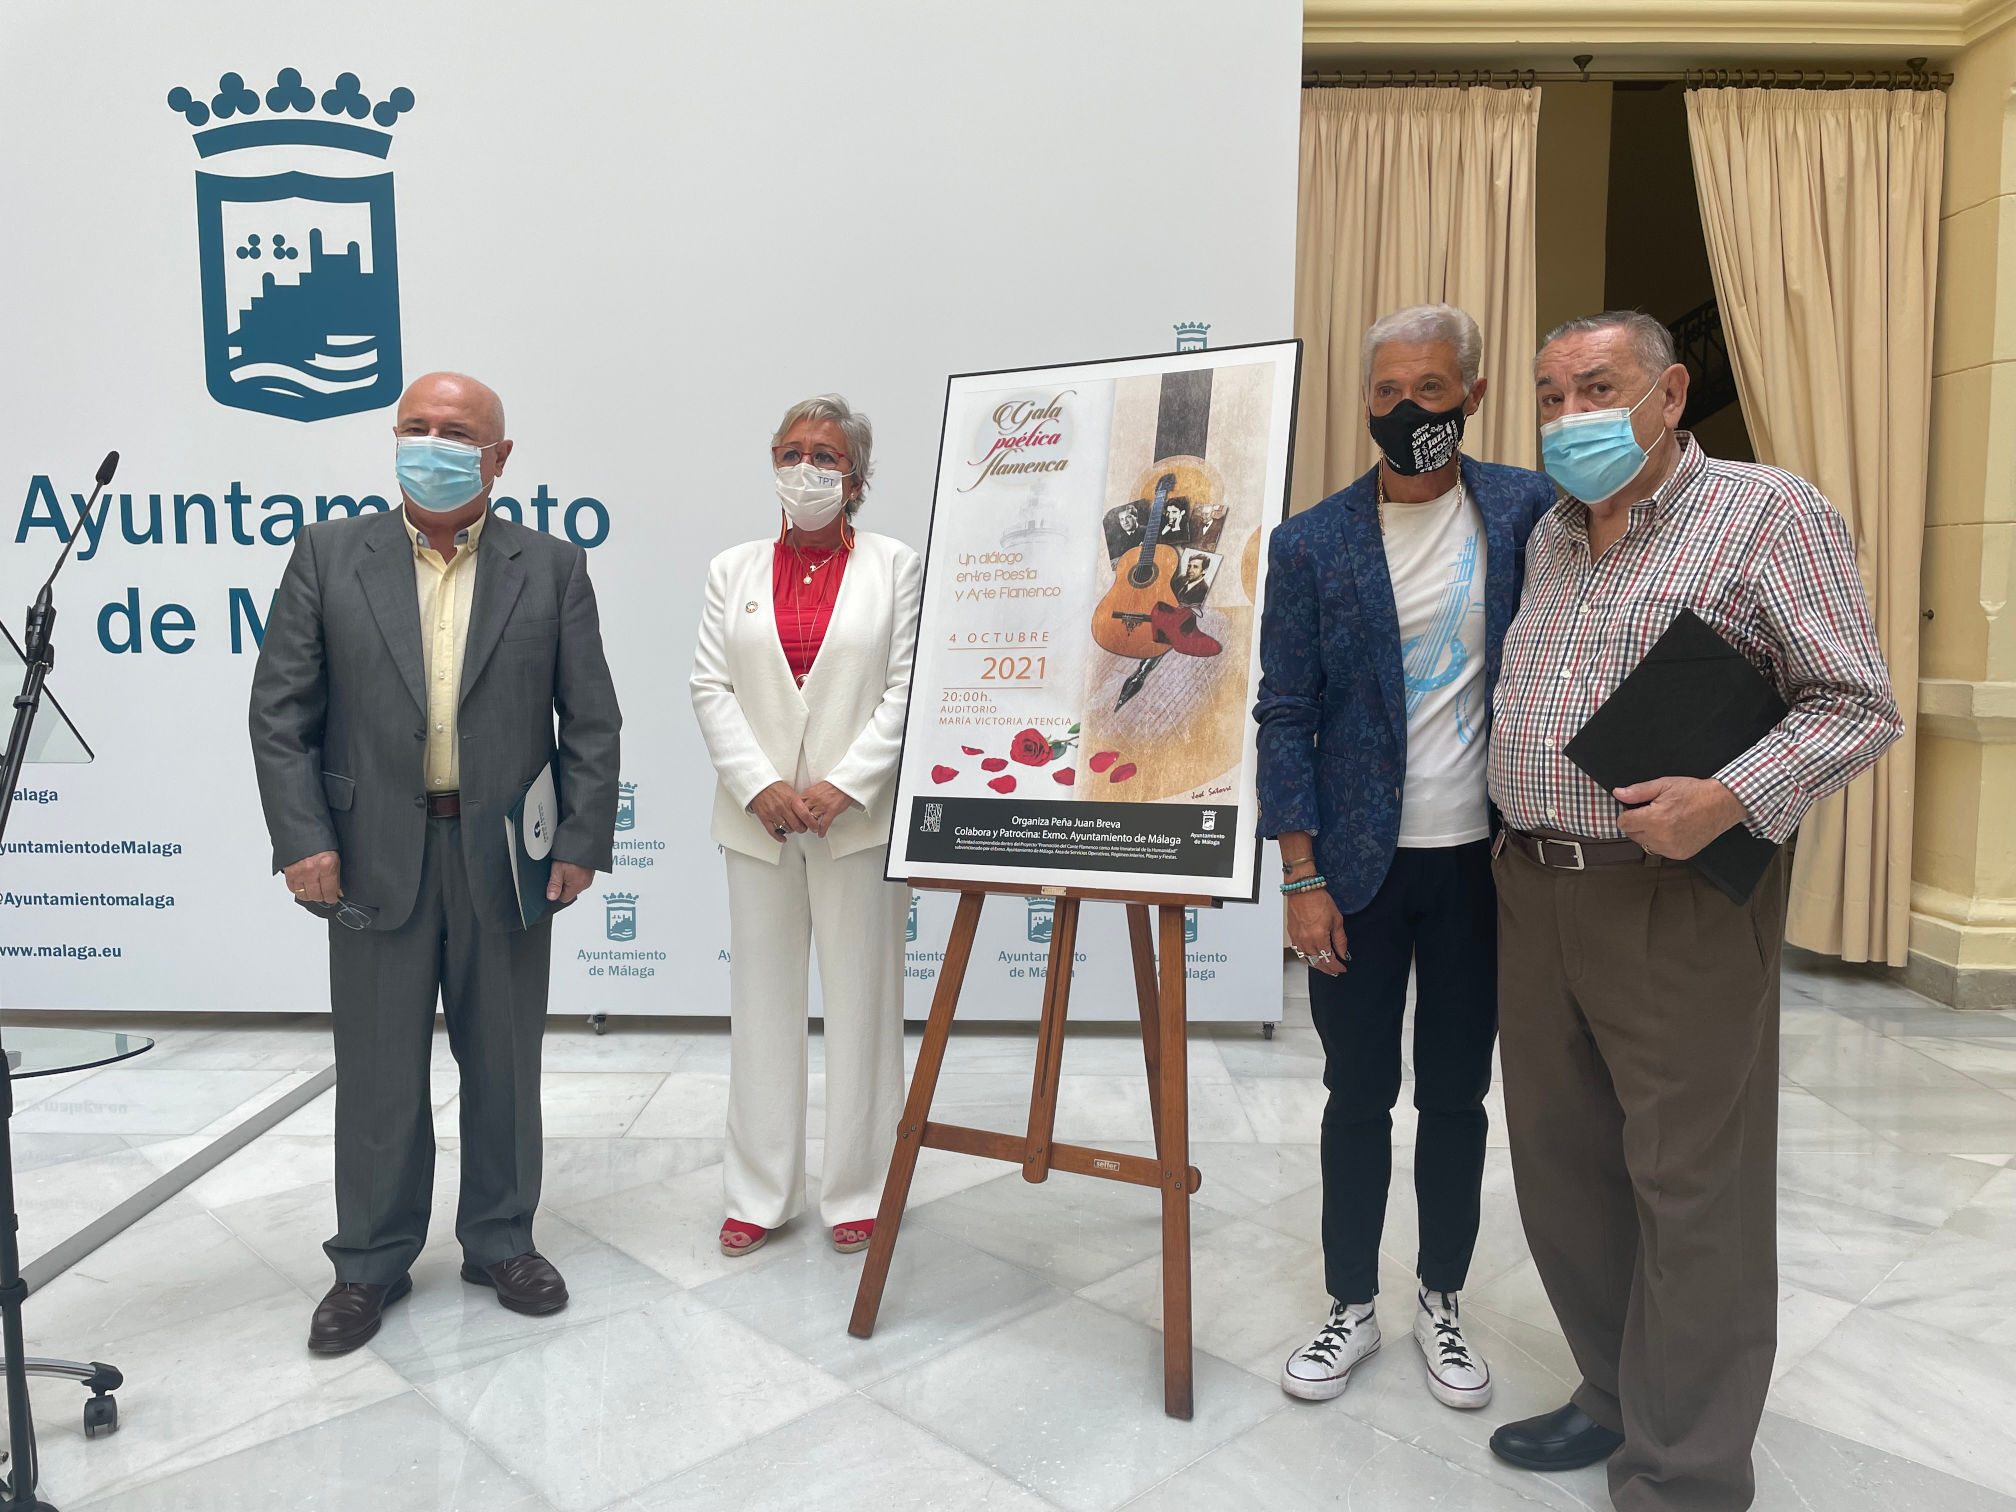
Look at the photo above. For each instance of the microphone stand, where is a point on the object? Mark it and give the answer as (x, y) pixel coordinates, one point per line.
(38, 655)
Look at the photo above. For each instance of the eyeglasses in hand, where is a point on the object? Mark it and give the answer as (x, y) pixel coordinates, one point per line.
(343, 911)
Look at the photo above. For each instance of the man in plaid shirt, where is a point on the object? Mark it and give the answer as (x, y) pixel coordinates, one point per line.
(1638, 1006)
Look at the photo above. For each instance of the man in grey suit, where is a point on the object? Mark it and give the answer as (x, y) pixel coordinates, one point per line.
(406, 695)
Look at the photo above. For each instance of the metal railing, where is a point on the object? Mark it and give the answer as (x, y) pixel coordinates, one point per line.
(1699, 342)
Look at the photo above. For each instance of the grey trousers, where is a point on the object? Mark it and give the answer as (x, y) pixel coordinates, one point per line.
(1638, 1026)
(383, 985)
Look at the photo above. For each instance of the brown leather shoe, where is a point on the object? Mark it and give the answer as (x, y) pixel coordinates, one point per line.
(349, 1315)
(525, 1283)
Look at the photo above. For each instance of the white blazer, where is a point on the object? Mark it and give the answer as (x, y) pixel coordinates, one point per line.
(847, 719)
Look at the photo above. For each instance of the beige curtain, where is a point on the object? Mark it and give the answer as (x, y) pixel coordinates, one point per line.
(1822, 218)
(1411, 196)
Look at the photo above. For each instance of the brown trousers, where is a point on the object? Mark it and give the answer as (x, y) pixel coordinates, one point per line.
(1638, 1027)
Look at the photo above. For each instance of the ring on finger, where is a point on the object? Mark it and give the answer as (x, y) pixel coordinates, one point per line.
(1300, 954)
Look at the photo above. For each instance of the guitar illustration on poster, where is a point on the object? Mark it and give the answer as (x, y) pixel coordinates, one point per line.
(1151, 607)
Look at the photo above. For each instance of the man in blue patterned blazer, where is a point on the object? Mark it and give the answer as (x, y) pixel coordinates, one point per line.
(1385, 610)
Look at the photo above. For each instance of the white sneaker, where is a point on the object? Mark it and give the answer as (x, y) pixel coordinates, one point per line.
(1321, 1369)
(1457, 1374)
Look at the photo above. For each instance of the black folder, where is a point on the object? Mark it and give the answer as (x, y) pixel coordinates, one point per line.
(1693, 705)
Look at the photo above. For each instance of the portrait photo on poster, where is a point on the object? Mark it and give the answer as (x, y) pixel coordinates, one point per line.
(1080, 706)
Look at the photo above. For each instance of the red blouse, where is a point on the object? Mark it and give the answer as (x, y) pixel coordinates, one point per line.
(804, 610)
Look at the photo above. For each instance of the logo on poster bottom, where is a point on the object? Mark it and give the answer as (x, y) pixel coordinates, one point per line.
(1042, 919)
(626, 805)
(620, 915)
(910, 929)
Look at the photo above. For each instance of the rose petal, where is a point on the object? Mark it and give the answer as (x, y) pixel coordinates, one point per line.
(994, 764)
(1065, 775)
(1103, 760)
(1003, 784)
(1121, 773)
(971, 750)
(943, 773)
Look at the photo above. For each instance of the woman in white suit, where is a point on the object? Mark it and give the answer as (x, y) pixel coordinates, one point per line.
(800, 683)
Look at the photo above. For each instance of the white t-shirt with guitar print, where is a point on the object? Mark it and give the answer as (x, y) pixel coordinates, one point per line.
(1436, 555)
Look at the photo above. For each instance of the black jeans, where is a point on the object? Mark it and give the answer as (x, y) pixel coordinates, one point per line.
(1437, 912)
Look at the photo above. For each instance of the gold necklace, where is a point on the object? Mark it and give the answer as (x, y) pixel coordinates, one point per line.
(798, 602)
(811, 567)
(1379, 493)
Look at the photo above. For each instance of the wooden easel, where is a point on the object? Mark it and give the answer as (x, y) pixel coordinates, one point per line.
(1165, 1049)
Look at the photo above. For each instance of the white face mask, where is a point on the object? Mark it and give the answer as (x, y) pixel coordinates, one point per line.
(811, 496)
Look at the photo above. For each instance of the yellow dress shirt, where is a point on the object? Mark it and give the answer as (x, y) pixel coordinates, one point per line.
(446, 590)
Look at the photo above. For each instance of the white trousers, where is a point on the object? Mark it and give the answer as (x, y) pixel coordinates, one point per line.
(775, 915)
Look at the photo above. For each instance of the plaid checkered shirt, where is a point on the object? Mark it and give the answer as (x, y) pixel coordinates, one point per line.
(1757, 553)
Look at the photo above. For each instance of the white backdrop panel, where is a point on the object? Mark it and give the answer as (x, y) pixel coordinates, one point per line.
(650, 227)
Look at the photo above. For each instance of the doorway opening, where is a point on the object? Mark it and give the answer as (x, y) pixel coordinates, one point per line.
(1617, 225)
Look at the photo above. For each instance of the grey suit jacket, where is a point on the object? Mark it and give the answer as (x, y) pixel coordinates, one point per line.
(339, 710)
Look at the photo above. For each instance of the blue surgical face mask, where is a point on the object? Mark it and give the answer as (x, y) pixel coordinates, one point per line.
(1594, 454)
(438, 475)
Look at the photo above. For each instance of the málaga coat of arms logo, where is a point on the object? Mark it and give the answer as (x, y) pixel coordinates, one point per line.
(299, 264)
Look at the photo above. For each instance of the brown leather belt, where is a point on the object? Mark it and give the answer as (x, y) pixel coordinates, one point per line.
(443, 805)
(1575, 855)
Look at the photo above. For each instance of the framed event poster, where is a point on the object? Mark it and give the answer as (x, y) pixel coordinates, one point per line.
(1081, 705)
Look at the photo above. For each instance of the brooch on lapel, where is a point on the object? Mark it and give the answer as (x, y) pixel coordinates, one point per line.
(750, 607)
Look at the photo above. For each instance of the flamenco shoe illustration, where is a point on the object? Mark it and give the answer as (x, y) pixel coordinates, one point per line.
(1178, 627)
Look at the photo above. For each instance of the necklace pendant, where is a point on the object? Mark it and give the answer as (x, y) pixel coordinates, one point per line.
(806, 579)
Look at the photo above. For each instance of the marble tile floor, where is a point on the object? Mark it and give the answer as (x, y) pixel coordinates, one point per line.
(85, 1141)
(1017, 1361)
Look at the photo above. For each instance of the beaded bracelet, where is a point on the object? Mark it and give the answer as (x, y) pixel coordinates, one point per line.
(1307, 884)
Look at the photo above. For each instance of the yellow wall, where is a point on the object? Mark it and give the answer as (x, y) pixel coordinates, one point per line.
(1658, 255)
(1645, 33)
(1571, 188)
(1963, 896)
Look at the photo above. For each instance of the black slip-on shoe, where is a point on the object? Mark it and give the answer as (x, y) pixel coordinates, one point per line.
(1564, 1439)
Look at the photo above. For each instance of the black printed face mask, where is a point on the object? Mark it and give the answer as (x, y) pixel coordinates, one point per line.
(1416, 440)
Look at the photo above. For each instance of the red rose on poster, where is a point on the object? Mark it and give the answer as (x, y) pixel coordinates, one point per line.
(1103, 760)
(943, 773)
(1122, 772)
(994, 764)
(1003, 784)
(1030, 748)
(1065, 775)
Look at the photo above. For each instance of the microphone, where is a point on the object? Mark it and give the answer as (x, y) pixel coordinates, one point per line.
(105, 470)
(42, 613)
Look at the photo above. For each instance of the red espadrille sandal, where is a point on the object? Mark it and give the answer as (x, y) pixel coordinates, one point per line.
(739, 1238)
(849, 1237)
